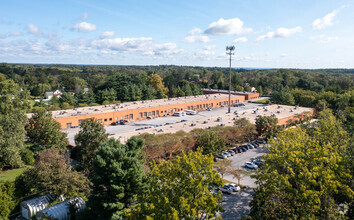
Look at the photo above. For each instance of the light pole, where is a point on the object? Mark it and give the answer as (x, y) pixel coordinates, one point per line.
(229, 50)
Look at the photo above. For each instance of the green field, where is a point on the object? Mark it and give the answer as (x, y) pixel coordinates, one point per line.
(263, 101)
(10, 175)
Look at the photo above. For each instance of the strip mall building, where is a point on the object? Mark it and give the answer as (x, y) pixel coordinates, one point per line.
(133, 111)
(247, 95)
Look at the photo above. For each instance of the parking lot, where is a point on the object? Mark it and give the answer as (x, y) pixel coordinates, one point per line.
(236, 204)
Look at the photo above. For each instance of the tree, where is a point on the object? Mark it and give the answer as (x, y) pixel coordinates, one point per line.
(67, 98)
(13, 105)
(210, 143)
(222, 166)
(247, 128)
(283, 96)
(52, 174)
(300, 179)
(236, 174)
(44, 132)
(156, 82)
(180, 189)
(266, 125)
(119, 175)
(148, 93)
(7, 199)
(91, 136)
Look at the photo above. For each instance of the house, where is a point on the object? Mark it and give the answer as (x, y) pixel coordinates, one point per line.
(85, 90)
(57, 93)
(48, 95)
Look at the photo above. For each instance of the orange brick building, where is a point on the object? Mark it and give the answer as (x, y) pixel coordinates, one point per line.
(247, 95)
(133, 111)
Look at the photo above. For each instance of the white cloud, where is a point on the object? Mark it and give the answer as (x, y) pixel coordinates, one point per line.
(107, 34)
(145, 45)
(2, 36)
(33, 29)
(195, 31)
(209, 47)
(233, 26)
(84, 27)
(283, 55)
(240, 40)
(197, 38)
(326, 21)
(84, 16)
(280, 33)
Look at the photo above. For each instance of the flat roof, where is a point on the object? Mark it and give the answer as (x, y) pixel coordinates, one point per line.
(136, 105)
(219, 90)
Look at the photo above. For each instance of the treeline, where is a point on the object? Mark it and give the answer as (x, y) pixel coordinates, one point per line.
(130, 83)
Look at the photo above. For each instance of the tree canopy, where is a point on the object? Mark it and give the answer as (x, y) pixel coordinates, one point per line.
(180, 189)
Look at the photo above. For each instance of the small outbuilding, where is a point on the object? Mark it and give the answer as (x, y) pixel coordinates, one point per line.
(61, 210)
(30, 207)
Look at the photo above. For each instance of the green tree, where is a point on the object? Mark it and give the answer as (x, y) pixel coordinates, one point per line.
(87, 141)
(148, 93)
(7, 199)
(267, 125)
(67, 98)
(13, 105)
(180, 189)
(247, 128)
(300, 179)
(52, 174)
(210, 143)
(44, 131)
(283, 96)
(119, 175)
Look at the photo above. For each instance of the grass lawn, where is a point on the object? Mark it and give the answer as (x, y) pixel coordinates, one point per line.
(263, 101)
(10, 175)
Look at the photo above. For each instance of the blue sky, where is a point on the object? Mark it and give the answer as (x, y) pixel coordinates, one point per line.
(272, 33)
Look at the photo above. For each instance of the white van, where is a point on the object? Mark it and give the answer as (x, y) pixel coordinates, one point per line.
(179, 114)
(190, 112)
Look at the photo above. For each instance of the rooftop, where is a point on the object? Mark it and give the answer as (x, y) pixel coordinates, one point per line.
(219, 90)
(135, 105)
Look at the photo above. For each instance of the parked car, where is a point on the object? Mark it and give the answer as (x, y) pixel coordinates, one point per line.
(245, 146)
(239, 150)
(243, 149)
(184, 120)
(251, 165)
(224, 190)
(255, 144)
(224, 156)
(235, 187)
(250, 146)
(232, 153)
(208, 109)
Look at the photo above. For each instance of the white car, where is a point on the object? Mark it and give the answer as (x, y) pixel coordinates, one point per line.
(235, 187)
(251, 165)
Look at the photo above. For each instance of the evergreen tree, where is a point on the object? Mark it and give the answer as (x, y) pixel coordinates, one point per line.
(119, 175)
(87, 141)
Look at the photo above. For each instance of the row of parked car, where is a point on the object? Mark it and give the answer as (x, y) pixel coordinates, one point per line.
(240, 149)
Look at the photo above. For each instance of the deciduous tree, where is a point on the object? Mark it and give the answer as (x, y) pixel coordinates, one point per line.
(52, 174)
(180, 189)
(44, 131)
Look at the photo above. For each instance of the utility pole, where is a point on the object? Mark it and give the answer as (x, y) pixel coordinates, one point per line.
(229, 50)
